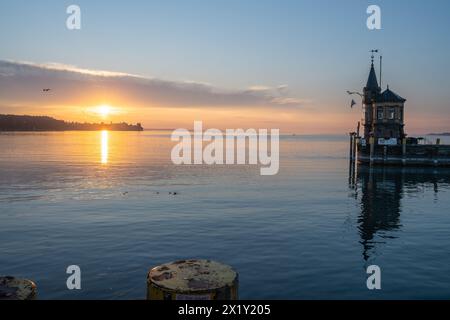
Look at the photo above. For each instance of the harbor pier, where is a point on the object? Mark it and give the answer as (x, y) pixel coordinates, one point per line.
(384, 141)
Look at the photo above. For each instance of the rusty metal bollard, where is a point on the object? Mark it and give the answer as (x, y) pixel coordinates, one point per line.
(17, 289)
(192, 280)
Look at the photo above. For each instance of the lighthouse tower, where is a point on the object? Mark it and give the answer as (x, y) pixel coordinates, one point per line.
(384, 111)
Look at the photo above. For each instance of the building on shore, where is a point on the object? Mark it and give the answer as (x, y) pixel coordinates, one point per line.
(384, 111)
(384, 140)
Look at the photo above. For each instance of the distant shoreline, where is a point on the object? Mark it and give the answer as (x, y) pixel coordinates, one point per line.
(25, 123)
(445, 134)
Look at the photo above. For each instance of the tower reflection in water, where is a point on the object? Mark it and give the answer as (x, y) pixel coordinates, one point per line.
(381, 193)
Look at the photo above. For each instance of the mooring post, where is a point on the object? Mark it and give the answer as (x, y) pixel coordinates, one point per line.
(192, 280)
(355, 145)
(404, 151)
(12, 288)
(352, 160)
(372, 149)
(351, 147)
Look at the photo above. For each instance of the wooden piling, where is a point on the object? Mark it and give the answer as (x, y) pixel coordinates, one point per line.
(351, 147)
(372, 149)
(192, 280)
(404, 151)
(17, 289)
(355, 144)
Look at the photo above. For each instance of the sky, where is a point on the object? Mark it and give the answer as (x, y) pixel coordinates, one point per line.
(252, 64)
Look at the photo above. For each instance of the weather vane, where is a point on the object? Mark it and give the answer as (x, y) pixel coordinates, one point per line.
(381, 61)
(373, 52)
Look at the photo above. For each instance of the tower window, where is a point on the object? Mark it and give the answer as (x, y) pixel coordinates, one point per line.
(380, 113)
(391, 113)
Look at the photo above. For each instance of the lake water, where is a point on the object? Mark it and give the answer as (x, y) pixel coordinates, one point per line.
(101, 201)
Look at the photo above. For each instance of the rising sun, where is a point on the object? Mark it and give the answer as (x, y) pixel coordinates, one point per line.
(104, 110)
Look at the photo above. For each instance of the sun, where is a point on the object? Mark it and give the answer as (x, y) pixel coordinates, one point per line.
(104, 110)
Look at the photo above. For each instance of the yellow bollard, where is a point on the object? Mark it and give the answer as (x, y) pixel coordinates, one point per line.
(17, 289)
(192, 280)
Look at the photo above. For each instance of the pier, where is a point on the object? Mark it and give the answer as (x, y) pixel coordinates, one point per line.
(384, 141)
(401, 154)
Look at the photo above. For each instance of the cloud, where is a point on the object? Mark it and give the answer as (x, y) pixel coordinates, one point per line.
(22, 83)
(259, 88)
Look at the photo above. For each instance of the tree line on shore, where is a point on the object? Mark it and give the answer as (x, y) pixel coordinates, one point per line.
(45, 123)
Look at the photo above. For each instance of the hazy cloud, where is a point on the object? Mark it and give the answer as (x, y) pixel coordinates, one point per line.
(22, 83)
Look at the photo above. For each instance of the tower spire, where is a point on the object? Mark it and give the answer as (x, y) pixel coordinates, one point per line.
(372, 82)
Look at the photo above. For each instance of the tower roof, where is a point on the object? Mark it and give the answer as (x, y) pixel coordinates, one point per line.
(372, 82)
(390, 96)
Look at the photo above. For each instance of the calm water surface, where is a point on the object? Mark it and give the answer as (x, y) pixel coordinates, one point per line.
(101, 201)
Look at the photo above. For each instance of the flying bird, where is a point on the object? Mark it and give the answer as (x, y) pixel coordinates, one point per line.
(46, 90)
(352, 103)
(355, 92)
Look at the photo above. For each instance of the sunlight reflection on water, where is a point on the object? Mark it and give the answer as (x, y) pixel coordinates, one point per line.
(105, 146)
(59, 206)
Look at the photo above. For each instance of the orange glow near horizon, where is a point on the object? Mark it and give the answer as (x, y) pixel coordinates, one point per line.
(320, 120)
(81, 95)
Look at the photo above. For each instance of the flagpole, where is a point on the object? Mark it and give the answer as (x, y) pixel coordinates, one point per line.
(381, 67)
